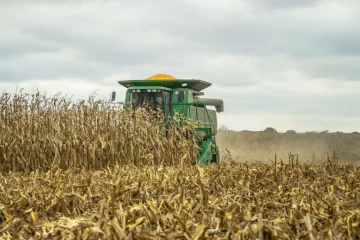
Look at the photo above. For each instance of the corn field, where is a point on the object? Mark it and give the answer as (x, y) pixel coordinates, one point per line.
(37, 132)
(91, 171)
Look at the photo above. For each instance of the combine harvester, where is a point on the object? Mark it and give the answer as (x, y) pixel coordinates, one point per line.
(180, 96)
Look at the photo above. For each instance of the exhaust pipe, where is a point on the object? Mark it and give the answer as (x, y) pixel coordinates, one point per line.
(218, 103)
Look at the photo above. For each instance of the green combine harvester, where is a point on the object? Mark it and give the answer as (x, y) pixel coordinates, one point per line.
(181, 96)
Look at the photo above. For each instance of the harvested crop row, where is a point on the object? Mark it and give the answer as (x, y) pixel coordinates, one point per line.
(230, 200)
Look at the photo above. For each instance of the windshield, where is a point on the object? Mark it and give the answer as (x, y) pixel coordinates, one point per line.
(153, 100)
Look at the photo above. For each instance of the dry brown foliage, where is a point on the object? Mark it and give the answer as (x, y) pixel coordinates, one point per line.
(37, 132)
(228, 201)
(88, 171)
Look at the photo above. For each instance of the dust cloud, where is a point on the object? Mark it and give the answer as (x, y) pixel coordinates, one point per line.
(262, 146)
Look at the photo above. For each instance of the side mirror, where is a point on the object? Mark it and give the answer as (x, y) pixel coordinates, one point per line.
(113, 96)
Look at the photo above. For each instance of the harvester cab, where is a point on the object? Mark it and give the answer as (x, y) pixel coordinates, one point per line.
(181, 96)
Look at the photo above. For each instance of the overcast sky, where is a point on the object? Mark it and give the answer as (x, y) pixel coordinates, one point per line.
(274, 62)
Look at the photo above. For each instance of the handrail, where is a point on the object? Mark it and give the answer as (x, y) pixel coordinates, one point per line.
(211, 123)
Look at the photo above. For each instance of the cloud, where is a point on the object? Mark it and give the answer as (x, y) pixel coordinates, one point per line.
(258, 121)
(73, 88)
(284, 4)
(265, 58)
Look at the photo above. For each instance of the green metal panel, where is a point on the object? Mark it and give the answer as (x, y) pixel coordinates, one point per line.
(206, 153)
(176, 93)
(197, 85)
